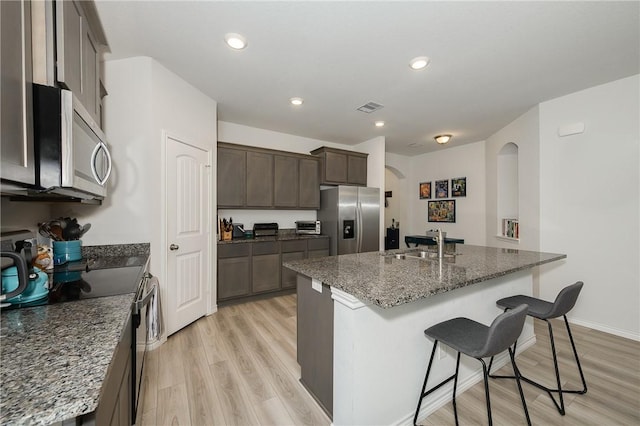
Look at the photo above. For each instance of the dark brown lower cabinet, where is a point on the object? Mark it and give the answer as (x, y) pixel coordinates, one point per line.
(291, 250)
(315, 341)
(254, 267)
(234, 270)
(318, 248)
(115, 406)
(265, 267)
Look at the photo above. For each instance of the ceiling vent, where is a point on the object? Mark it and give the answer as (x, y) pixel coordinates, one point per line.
(370, 107)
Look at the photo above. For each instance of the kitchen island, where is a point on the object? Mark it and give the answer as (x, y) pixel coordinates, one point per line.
(379, 306)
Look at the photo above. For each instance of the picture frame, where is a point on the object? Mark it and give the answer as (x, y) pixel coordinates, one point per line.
(459, 187)
(442, 189)
(425, 190)
(442, 211)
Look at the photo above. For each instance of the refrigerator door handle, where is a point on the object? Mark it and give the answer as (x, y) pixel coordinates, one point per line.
(359, 227)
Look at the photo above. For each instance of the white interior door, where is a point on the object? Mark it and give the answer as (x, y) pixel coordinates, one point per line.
(188, 188)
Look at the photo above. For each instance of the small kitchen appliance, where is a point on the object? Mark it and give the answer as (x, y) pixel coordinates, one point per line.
(311, 227)
(21, 282)
(238, 230)
(14, 278)
(72, 157)
(265, 229)
(36, 289)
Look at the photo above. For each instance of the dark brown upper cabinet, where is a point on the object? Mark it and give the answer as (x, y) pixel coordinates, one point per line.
(341, 167)
(259, 178)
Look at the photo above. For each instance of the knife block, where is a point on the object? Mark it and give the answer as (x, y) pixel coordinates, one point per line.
(224, 234)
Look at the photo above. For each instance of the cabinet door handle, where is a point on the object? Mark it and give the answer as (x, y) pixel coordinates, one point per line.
(173, 247)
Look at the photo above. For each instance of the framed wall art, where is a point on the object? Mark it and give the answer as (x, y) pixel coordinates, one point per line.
(442, 211)
(459, 187)
(425, 190)
(442, 189)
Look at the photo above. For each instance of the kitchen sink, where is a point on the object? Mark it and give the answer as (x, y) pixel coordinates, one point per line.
(419, 254)
(423, 254)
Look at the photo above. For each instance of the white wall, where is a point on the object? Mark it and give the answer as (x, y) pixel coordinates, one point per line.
(145, 100)
(589, 208)
(17, 215)
(253, 136)
(395, 208)
(127, 213)
(375, 173)
(398, 169)
(523, 132)
(463, 161)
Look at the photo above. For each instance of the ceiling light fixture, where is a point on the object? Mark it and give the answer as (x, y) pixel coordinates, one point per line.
(379, 123)
(296, 101)
(442, 139)
(419, 62)
(235, 41)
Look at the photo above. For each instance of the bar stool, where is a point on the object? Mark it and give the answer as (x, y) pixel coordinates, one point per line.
(545, 311)
(477, 341)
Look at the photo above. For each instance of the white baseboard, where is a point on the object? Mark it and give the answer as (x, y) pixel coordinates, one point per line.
(606, 329)
(443, 395)
(154, 345)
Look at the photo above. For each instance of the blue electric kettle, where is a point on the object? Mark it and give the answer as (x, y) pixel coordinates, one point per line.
(21, 283)
(14, 286)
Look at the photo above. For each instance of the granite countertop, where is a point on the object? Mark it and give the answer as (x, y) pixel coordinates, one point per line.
(54, 358)
(279, 237)
(384, 280)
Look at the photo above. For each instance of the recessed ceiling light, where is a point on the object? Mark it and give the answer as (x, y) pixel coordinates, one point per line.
(379, 123)
(296, 101)
(235, 41)
(419, 63)
(442, 139)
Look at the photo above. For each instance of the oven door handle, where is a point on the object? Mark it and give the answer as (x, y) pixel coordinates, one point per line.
(145, 299)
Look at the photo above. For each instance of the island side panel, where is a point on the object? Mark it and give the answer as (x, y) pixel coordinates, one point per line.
(315, 341)
(381, 355)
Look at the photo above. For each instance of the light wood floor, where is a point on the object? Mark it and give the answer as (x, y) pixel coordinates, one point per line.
(238, 367)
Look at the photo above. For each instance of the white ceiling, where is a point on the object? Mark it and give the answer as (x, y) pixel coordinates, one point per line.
(490, 61)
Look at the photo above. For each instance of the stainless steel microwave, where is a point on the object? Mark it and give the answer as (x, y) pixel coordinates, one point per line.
(72, 157)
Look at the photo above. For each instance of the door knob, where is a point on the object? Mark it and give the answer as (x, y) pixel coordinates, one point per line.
(174, 247)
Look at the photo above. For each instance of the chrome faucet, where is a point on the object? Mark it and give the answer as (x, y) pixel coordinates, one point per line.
(440, 241)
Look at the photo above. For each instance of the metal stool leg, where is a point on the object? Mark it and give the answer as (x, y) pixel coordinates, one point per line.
(575, 355)
(455, 387)
(515, 345)
(485, 377)
(559, 403)
(424, 393)
(424, 385)
(516, 372)
(555, 365)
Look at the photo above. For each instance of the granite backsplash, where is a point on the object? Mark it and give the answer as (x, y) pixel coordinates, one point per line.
(136, 249)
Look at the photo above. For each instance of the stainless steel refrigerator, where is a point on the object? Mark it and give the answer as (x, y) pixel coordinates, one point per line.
(350, 215)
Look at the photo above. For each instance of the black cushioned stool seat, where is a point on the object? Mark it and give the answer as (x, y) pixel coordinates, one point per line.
(477, 341)
(541, 309)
